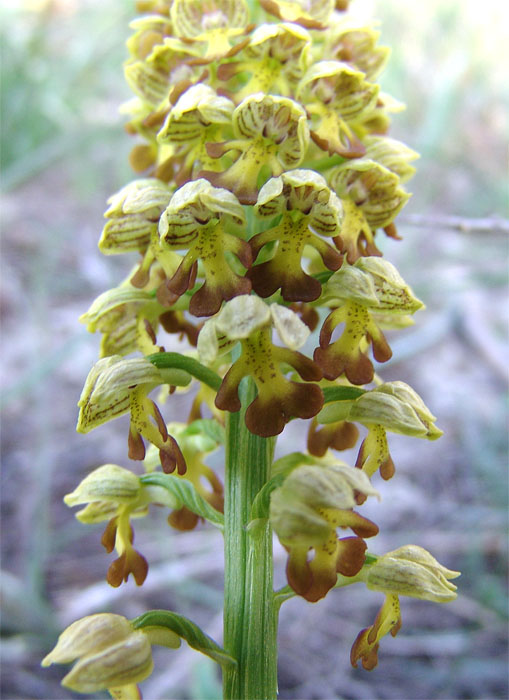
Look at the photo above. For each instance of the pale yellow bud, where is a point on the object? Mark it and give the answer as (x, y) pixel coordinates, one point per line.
(128, 661)
(107, 483)
(412, 571)
(89, 635)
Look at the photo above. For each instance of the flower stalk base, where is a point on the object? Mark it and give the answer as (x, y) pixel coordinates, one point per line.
(250, 615)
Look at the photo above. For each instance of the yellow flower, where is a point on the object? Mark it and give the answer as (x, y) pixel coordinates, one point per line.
(115, 494)
(275, 59)
(195, 444)
(210, 23)
(337, 96)
(372, 197)
(133, 215)
(357, 45)
(366, 644)
(199, 218)
(269, 131)
(116, 385)
(369, 285)
(313, 501)
(128, 319)
(392, 406)
(410, 571)
(198, 117)
(249, 320)
(308, 207)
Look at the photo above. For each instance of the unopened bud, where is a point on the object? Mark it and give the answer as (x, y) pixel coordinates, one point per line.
(412, 571)
(107, 483)
(89, 635)
(128, 661)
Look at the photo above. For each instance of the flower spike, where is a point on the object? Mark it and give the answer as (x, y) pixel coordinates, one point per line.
(264, 171)
(312, 14)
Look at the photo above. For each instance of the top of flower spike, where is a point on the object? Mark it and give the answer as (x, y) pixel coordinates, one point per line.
(149, 31)
(346, 41)
(212, 22)
(312, 14)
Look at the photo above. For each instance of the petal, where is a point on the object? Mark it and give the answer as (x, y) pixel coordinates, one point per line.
(340, 436)
(292, 331)
(350, 556)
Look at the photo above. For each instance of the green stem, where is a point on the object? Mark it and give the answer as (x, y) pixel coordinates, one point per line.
(250, 614)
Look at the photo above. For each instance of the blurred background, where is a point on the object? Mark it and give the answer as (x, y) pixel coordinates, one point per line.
(64, 152)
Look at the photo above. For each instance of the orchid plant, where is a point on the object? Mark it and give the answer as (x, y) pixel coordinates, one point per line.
(264, 176)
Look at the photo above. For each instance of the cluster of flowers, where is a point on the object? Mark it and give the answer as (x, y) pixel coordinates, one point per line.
(265, 171)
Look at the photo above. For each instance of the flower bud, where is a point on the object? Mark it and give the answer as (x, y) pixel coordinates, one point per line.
(106, 483)
(392, 154)
(110, 653)
(375, 284)
(87, 636)
(393, 293)
(412, 571)
(312, 14)
(398, 409)
(129, 661)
